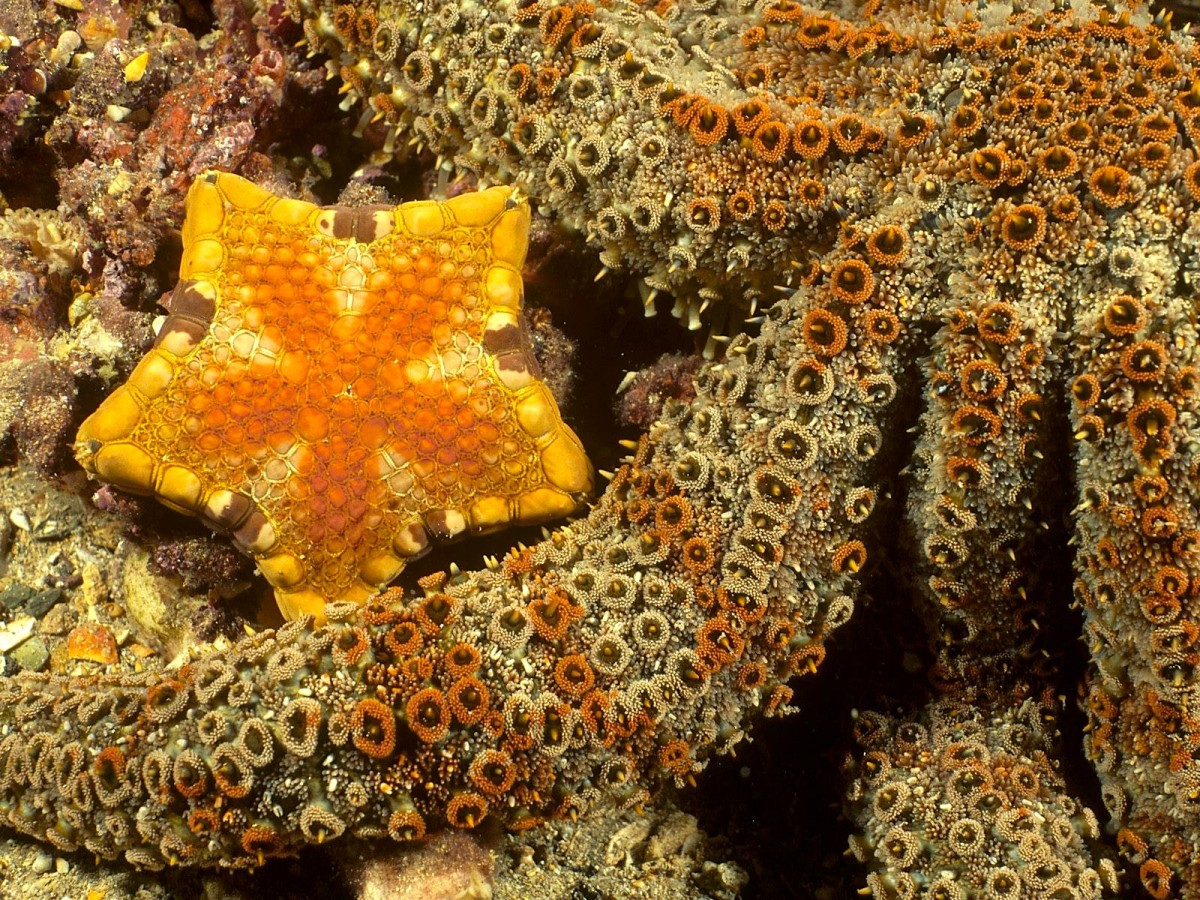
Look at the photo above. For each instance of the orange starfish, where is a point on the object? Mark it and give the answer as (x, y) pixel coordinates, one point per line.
(337, 386)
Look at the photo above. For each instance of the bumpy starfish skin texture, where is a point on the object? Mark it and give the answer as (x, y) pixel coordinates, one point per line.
(580, 672)
(955, 788)
(334, 386)
(1006, 196)
(996, 206)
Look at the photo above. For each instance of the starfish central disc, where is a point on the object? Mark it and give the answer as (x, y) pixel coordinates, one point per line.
(337, 386)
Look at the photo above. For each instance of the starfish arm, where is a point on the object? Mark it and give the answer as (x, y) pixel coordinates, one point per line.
(940, 821)
(979, 477)
(617, 654)
(1135, 407)
(672, 95)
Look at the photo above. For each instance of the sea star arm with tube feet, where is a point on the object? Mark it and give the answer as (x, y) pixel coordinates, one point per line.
(578, 672)
(1021, 184)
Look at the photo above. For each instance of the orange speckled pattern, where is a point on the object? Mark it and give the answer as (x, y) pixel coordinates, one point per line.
(338, 386)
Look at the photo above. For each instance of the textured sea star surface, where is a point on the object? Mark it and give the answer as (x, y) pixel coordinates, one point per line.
(334, 386)
(985, 213)
(1003, 197)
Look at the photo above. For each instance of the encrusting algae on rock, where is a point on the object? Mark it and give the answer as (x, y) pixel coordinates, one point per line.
(993, 207)
(334, 386)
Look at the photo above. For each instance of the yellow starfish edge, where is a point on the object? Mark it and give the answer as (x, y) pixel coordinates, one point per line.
(336, 387)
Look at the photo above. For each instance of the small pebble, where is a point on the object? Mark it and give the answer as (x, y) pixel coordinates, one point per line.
(42, 863)
(58, 620)
(136, 68)
(141, 651)
(39, 604)
(61, 866)
(92, 642)
(32, 655)
(95, 588)
(18, 518)
(16, 631)
(15, 594)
